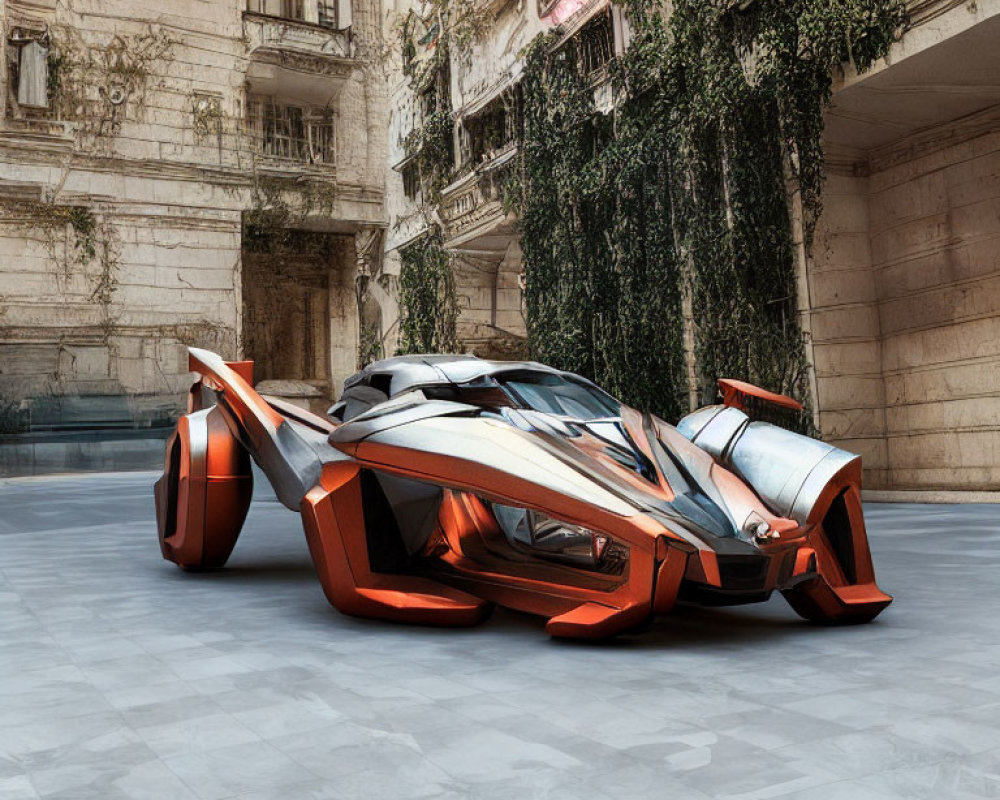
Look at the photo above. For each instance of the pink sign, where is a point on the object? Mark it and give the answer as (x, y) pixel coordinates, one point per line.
(562, 11)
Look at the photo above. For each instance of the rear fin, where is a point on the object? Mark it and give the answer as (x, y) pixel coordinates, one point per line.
(761, 405)
(288, 457)
(230, 380)
(242, 368)
(739, 394)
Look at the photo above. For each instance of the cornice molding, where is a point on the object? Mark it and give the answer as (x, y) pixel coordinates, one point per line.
(934, 139)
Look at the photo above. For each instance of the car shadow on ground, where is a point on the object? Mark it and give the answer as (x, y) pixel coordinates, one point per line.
(688, 627)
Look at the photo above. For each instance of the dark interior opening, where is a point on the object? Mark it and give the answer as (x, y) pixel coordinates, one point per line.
(173, 483)
(837, 528)
(382, 382)
(386, 550)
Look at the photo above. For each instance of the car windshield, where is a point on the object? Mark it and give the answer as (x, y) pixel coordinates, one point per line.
(556, 394)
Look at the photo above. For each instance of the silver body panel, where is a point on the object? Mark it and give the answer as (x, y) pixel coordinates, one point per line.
(405, 373)
(788, 471)
(500, 446)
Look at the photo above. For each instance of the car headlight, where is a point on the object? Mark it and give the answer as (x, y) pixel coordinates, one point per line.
(552, 538)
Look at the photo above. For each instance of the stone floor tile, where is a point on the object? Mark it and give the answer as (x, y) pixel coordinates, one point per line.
(123, 677)
(227, 771)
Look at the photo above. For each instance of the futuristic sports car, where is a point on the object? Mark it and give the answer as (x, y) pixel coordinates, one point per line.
(440, 485)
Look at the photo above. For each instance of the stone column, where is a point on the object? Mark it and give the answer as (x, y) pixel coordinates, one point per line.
(796, 218)
(368, 269)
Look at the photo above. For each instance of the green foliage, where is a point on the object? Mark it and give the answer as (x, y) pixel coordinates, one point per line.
(602, 273)
(95, 250)
(428, 306)
(369, 344)
(681, 191)
(51, 219)
(281, 208)
(458, 22)
(53, 82)
(436, 149)
(84, 225)
(432, 145)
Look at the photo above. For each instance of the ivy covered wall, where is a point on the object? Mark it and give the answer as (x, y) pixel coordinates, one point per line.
(677, 204)
(428, 307)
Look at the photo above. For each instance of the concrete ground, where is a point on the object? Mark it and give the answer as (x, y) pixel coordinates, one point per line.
(121, 676)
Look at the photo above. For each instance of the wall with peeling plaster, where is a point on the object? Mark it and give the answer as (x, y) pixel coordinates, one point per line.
(171, 195)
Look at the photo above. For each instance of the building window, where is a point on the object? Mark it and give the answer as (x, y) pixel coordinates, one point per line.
(286, 9)
(27, 73)
(335, 14)
(492, 130)
(411, 181)
(295, 133)
(596, 43)
(328, 13)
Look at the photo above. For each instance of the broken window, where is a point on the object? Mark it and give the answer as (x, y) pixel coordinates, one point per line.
(291, 132)
(596, 43)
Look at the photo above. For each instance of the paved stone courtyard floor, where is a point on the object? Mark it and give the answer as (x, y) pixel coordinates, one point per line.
(121, 676)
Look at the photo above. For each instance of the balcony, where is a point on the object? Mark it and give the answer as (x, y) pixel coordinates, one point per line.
(472, 206)
(300, 49)
(594, 37)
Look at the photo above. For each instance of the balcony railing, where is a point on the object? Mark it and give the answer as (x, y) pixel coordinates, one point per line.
(317, 146)
(596, 43)
(475, 202)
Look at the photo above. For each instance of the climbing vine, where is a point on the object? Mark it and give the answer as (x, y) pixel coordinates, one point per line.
(427, 298)
(73, 235)
(369, 344)
(97, 85)
(105, 282)
(428, 305)
(431, 144)
(677, 203)
(443, 22)
(50, 220)
(279, 212)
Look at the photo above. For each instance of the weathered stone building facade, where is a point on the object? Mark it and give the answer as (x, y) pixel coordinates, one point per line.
(898, 297)
(904, 286)
(183, 173)
(477, 85)
(243, 175)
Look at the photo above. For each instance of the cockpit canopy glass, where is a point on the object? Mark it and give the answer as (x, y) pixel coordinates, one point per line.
(558, 394)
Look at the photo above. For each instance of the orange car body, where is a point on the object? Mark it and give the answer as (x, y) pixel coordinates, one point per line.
(449, 484)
